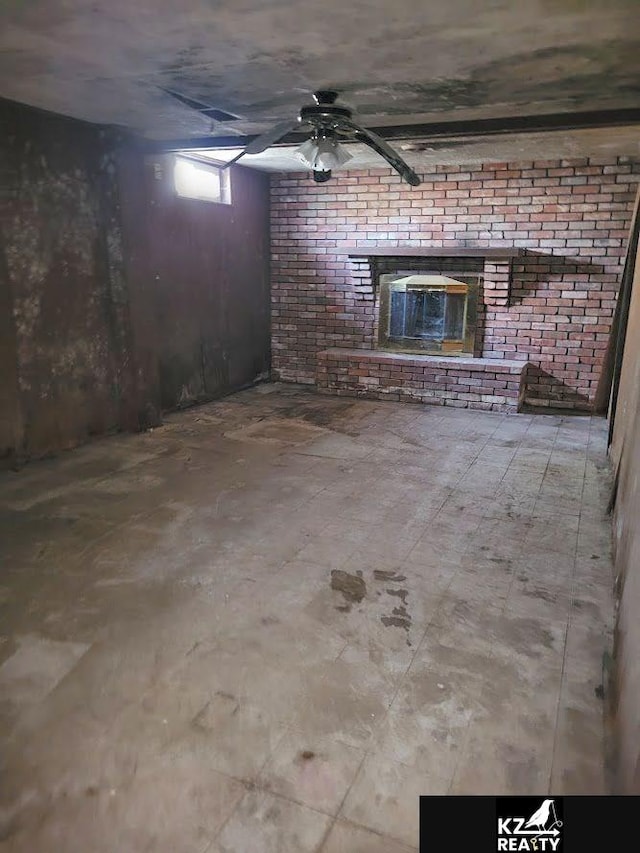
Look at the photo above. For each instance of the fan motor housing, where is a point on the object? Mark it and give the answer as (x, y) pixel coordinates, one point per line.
(320, 113)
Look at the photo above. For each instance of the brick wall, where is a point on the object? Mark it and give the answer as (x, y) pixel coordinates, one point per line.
(571, 216)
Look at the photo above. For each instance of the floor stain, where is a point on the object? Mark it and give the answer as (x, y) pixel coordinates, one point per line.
(352, 587)
(399, 593)
(400, 619)
(390, 577)
(544, 594)
(276, 431)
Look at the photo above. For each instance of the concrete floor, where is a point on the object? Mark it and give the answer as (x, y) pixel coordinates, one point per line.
(271, 624)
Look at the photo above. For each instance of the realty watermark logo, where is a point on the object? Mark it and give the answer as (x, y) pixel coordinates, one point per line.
(529, 824)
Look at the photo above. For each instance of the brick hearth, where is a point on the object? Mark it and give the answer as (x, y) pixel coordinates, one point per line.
(474, 383)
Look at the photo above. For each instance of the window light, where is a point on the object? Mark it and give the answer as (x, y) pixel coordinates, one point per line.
(203, 181)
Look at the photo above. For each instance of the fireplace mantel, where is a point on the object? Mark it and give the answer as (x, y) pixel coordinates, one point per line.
(495, 263)
(504, 254)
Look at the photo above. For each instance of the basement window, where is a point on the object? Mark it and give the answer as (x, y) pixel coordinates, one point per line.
(192, 178)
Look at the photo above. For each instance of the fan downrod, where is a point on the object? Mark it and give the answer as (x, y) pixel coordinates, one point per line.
(324, 97)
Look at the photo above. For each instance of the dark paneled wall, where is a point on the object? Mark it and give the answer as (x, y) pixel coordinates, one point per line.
(117, 299)
(65, 341)
(207, 269)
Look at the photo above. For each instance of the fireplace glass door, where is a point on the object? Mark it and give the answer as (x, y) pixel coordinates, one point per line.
(428, 312)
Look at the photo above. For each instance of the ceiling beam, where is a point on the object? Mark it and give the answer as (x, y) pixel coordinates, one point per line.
(435, 130)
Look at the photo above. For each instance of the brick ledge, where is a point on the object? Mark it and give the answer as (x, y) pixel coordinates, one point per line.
(497, 365)
(482, 383)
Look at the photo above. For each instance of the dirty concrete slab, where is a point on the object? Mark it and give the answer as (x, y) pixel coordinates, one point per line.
(35, 668)
(279, 575)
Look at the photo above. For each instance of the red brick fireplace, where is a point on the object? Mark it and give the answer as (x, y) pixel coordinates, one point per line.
(465, 379)
(546, 240)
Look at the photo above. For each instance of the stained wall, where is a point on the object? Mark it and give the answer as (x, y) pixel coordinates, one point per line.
(117, 299)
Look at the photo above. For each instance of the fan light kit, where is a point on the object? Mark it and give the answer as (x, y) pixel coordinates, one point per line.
(322, 154)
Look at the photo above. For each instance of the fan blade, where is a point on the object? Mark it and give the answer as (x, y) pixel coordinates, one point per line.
(232, 161)
(385, 150)
(265, 140)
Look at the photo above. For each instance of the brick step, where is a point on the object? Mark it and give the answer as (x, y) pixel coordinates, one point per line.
(474, 383)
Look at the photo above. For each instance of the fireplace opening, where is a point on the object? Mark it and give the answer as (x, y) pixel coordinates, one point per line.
(428, 312)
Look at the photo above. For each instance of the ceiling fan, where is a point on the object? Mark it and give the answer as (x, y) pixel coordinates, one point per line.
(328, 124)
